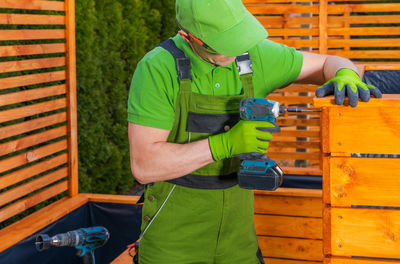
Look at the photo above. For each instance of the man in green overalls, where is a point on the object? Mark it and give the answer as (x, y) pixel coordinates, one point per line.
(184, 130)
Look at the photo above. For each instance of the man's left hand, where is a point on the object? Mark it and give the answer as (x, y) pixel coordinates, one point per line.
(348, 82)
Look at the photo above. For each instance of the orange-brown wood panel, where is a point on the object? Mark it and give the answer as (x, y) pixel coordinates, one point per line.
(32, 155)
(363, 31)
(33, 223)
(23, 174)
(339, 260)
(297, 122)
(291, 248)
(26, 203)
(25, 19)
(257, 9)
(124, 258)
(303, 88)
(19, 50)
(337, 21)
(365, 232)
(298, 133)
(381, 42)
(26, 126)
(289, 261)
(27, 188)
(341, 8)
(30, 79)
(31, 34)
(72, 103)
(294, 155)
(33, 94)
(22, 65)
(310, 170)
(294, 144)
(364, 181)
(30, 110)
(287, 100)
(369, 128)
(289, 206)
(28, 141)
(288, 226)
(366, 54)
(33, 5)
(112, 198)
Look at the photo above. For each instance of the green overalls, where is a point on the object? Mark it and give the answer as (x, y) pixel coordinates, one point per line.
(204, 217)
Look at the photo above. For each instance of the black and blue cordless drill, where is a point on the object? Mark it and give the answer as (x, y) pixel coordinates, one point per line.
(85, 240)
(257, 171)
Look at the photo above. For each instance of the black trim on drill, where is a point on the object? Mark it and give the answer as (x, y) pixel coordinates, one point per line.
(211, 123)
(206, 182)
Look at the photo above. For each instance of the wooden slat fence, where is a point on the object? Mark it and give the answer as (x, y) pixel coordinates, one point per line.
(38, 156)
(364, 31)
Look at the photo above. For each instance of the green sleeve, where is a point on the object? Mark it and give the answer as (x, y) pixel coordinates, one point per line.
(280, 65)
(153, 91)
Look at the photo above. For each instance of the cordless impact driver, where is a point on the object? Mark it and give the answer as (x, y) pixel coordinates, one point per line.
(85, 240)
(258, 172)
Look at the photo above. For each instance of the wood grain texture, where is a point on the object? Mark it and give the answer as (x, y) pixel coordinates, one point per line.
(30, 34)
(32, 4)
(288, 226)
(71, 98)
(289, 261)
(34, 222)
(291, 248)
(26, 126)
(32, 140)
(365, 181)
(32, 155)
(30, 110)
(339, 260)
(33, 94)
(30, 19)
(31, 79)
(124, 258)
(365, 129)
(289, 206)
(31, 186)
(26, 203)
(34, 64)
(108, 198)
(19, 50)
(23, 174)
(357, 232)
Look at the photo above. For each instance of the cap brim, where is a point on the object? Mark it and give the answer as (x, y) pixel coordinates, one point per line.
(238, 39)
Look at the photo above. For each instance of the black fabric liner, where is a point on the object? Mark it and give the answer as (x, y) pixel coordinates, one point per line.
(388, 82)
(210, 123)
(121, 220)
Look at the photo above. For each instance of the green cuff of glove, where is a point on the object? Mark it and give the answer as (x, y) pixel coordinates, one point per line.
(217, 146)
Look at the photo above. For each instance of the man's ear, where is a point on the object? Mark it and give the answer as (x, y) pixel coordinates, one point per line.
(184, 35)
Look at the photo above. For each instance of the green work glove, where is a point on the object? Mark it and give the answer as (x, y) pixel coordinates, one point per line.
(244, 137)
(348, 81)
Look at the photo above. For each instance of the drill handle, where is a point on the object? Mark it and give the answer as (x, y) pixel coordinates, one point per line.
(88, 258)
(275, 129)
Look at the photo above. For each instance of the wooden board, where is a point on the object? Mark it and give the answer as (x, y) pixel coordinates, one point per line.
(365, 232)
(288, 261)
(288, 226)
(369, 128)
(288, 205)
(338, 260)
(364, 181)
(291, 248)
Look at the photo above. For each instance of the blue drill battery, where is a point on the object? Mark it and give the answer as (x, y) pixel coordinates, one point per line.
(262, 174)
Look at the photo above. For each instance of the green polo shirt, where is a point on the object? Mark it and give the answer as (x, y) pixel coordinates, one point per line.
(155, 85)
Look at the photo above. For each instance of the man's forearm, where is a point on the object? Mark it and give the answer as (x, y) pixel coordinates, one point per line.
(164, 161)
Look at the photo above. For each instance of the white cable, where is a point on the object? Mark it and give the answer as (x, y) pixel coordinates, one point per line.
(154, 217)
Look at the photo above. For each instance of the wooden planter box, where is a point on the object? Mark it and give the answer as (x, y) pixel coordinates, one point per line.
(361, 194)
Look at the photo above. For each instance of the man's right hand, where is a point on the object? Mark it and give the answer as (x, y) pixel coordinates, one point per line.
(244, 137)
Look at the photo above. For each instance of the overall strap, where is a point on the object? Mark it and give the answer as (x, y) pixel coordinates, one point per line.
(244, 66)
(182, 62)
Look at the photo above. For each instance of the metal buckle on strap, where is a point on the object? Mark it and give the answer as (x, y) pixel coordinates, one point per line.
(243, 63)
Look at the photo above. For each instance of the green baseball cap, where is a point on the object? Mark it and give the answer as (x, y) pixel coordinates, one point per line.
(224, 25)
